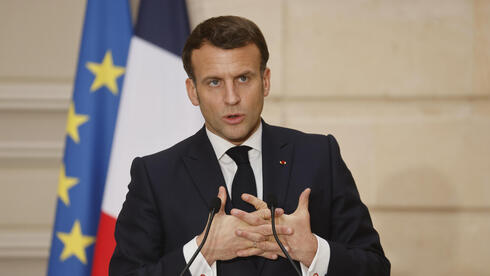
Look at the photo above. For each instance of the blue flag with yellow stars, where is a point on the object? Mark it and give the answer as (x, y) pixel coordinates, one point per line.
(90, 125)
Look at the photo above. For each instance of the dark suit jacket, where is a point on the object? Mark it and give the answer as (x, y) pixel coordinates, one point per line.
(169, 193)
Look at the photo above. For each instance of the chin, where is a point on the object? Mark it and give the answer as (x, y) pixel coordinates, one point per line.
(235, 136)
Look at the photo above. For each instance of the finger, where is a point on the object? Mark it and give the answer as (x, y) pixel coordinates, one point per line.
(251, 236)
(249, 218)
(304, 200)
(252, 251)
(272, 247)
(280, 230)
(279, 212)
(256, 202)
(269, 255)
(222, 196)
(266, 230)
(266, 213)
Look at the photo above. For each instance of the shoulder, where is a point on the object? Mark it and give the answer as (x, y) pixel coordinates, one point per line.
(175, 152)
(301, 138)
(306, 145)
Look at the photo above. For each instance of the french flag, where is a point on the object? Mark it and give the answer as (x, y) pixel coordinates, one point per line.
(154, 111)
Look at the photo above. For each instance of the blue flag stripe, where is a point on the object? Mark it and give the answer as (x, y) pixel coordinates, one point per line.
(105, 42)
(164, 23)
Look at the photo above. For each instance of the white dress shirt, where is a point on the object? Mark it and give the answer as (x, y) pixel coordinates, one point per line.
(229, 168)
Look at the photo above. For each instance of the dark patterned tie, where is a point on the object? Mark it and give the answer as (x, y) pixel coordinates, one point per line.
(244, 180)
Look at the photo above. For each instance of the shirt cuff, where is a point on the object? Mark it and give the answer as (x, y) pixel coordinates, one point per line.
(200, 266)
(319, 265)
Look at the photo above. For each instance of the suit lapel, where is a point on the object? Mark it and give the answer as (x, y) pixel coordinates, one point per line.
(277, 159)
(204, 168)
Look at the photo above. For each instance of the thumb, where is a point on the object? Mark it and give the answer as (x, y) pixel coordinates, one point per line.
(304, 200)
(222, 196)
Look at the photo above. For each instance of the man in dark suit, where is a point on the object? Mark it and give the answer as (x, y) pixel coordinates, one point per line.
(323, 223)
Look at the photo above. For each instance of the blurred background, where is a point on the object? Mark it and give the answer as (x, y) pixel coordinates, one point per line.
(403, 85)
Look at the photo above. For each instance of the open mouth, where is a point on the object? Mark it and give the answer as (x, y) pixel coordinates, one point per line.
(234, 118)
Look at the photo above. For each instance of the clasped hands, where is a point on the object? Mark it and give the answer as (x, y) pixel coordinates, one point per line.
(243, 234)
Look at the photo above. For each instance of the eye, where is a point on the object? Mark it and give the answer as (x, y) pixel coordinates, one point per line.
(213, 83)
(243, 78)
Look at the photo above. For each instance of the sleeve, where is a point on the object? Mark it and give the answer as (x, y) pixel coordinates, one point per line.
(200, 266)
(319, 265)
(355, 248)
(139, 235)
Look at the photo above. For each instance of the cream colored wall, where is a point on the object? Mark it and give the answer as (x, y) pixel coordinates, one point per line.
(403, 85)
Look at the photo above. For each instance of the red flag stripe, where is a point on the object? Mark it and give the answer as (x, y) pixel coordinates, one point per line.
(104, 247)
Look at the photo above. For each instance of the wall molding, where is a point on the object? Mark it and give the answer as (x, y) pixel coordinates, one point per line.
(24, 244)
(35, 96)
(56, 97)
(30, 150)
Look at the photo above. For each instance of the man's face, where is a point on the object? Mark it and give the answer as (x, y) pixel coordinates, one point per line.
(229, 89)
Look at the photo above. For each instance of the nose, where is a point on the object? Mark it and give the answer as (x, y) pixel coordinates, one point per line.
(232, 96)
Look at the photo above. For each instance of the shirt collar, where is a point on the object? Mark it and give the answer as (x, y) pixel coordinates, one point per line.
(221, 145)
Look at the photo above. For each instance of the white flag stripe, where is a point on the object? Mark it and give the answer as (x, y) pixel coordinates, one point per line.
(154, 114)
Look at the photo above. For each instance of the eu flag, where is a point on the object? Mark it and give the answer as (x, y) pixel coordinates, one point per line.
(90, 125)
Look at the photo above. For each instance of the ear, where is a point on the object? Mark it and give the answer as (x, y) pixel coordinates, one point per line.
(191, 91)
(266, 80)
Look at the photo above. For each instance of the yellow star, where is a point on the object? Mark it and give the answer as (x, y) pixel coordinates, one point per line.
(65, 184)
(75, 243)
(105, 73)
(73, 122)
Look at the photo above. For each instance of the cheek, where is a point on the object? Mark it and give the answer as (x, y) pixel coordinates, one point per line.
(209, 106)
(252, 94)
(257, 101)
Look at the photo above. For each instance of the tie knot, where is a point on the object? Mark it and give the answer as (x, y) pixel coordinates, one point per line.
(239, 154)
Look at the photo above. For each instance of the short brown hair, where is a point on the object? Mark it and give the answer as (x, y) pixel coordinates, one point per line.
(225, 32)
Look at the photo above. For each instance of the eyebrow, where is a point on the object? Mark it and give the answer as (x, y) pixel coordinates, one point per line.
(206, 79)
(211, 77)
(247, 72)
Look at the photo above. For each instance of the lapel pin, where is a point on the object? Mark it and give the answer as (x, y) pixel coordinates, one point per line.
(282, 162)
